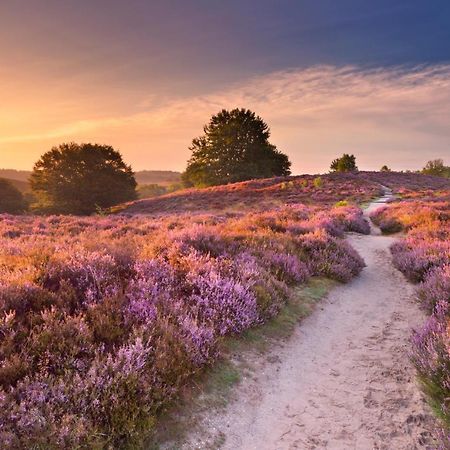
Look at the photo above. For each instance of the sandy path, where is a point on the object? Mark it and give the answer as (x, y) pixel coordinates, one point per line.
(343, 381)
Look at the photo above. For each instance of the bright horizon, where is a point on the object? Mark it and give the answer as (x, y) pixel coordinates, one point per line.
(146, 78)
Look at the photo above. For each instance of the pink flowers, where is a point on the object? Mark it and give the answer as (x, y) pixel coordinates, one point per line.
(103, 319)
(424, 257)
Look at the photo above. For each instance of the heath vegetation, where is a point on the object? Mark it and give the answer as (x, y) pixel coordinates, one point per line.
(423, 256)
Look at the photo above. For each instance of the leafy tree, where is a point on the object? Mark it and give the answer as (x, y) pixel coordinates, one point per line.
(235, 147)
(81, 178)
(11, 199)
(346, 163)
(436, 167)
(385, 169)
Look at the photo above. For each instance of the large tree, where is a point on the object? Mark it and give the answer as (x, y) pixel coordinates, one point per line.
(79, 179)
(11, 199)
(235, 147)
(346, 163)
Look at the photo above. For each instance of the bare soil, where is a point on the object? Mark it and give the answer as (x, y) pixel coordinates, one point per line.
(342, 381)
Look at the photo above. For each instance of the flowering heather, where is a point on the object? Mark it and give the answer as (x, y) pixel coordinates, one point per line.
(431, 356)
(424, 257)
(436, 288)
(409, 184)
(102, 319)
(262, 194)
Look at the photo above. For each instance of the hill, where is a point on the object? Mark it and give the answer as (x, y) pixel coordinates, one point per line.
(161, 177)
(17, 175)
(22, 186)
(272, 192)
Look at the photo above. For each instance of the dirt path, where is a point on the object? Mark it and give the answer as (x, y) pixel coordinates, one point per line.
(343, 381)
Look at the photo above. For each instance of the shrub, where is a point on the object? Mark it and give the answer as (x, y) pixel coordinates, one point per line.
(318, 182)
(435, 289)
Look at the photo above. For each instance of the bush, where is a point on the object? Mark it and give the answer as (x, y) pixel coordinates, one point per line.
(318, 182)
(435, 289)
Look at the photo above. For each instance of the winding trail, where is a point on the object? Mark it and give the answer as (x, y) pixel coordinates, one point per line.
(344, 380)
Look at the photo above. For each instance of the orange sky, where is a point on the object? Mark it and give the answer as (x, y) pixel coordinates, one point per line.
(363, 77)
(387, 116)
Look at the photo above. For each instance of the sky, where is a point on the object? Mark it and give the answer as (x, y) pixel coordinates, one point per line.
(369, 77)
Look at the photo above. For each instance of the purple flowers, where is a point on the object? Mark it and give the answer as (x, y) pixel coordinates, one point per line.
(103, 319)
(424, 257)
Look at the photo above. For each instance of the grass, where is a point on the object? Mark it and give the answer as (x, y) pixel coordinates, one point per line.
(212, 389)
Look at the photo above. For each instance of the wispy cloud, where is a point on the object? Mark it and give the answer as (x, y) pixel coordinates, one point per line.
(399, 116)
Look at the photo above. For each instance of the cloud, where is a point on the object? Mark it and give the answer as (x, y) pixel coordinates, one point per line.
(398, 116)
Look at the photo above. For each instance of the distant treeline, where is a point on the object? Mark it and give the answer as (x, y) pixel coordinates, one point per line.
(163, 177)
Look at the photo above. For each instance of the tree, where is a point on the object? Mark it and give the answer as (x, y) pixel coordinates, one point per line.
(235, 147)
(436, 167)
(80, 179)
(385, 169)
(11, 199)
(346, 163)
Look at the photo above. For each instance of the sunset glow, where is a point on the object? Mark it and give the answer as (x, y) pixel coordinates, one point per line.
(147, 88)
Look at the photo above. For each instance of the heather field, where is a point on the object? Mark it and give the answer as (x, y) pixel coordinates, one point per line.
(103, 319)
(225, 225)
(263, 194)
(273, 192)
(423, 256)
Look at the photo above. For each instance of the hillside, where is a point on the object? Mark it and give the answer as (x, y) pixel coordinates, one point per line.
(402, 182)
(272, 192)
(17, 175)
(161, 177)
(22, 186)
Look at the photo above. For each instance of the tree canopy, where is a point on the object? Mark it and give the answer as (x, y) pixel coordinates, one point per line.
(346, 163)
(80, 179)
(235, 147)
(436, 167)
(385, 169)
(11, 199)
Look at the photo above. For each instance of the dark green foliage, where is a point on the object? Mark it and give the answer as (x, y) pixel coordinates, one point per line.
(235, 147)
(80, 179)
(346, 163)
(436, 167)
(11, 199)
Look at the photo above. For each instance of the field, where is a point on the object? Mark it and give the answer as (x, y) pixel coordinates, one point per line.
(104, 319)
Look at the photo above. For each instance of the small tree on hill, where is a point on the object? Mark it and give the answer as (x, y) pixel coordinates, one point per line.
(436, 167)
(235, 147)
(385, 169)
(11, 199)
(79, 179)
(346, 163)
